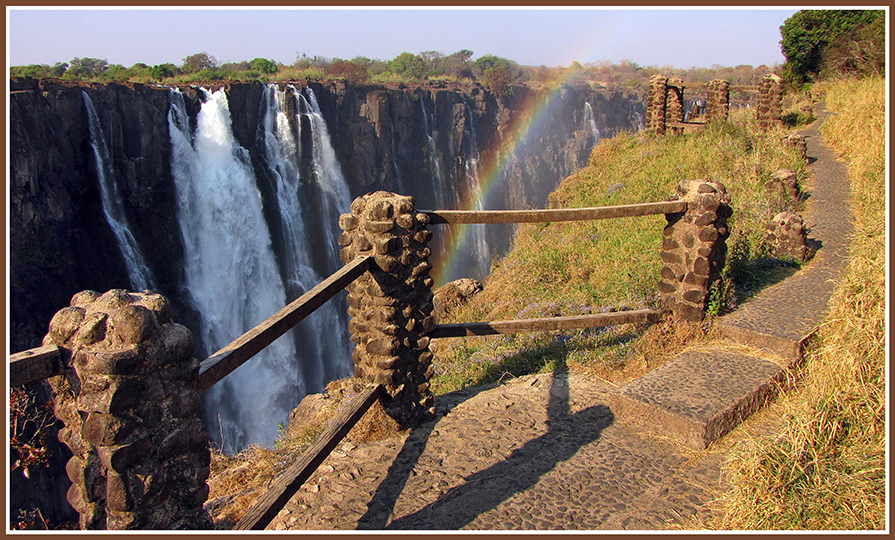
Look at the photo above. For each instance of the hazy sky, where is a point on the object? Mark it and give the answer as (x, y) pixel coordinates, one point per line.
(534, 36)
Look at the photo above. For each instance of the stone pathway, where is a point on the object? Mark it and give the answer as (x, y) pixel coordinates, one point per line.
(558, 451)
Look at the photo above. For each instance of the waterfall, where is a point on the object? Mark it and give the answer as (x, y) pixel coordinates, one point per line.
(437, 174)
(590, 123)
(230, 273)
(473, 187)
(325, 352)
(139, 274)
(327, 173)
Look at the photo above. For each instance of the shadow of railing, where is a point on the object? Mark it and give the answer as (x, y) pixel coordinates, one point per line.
(486, 489)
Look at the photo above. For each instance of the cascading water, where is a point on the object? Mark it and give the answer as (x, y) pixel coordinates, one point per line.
(327, 171)
(324, 353)
(139, 274)
(473, 188)
(230, 273)
(437, 174)
(590, 123)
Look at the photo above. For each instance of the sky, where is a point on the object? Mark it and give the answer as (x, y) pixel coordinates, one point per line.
(681, 38)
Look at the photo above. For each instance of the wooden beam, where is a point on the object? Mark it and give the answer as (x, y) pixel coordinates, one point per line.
(552, 323)
(34, 364)
(554, 214)
(223, 362)
(269, 505)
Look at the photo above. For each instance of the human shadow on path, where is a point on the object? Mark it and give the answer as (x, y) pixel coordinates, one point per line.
(488, 488)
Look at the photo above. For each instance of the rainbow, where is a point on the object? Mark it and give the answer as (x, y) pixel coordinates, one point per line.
(457, 237)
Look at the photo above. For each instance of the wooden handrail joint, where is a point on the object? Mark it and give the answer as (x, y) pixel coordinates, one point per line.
(34, 364)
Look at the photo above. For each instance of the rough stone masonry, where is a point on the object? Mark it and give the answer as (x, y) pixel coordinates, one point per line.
(694, 248)
(391, 304)
(140, 453)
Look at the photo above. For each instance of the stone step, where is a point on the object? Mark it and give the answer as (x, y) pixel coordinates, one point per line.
(700, 395)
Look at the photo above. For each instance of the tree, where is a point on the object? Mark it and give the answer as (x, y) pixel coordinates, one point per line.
(86, 68)
(350, 71)
(497, 80)
(457, 64)
(264, 66)
(408, 65)
(197, 62)
(488, 61)
(161, 71)
(807, 34)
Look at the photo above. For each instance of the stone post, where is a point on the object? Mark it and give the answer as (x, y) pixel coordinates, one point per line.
(655, 104)
(799, 143)
(391, 305)
(674, 102)
(126, 397)
(717, 107)
(770, 102)
(694, 248)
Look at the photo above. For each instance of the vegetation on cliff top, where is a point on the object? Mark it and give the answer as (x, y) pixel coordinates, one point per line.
(496, 74)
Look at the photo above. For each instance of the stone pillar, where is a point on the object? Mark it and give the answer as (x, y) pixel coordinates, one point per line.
(674, 102)
(770, 102)
(783, 185)
(655, 104)
(788, 236)
(391, 305)
(799, 143)
(717, 107)
(126, 397)
(694, 248)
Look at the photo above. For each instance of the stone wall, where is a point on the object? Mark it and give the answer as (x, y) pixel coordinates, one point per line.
(674, 101)
(391, 305)
(694, 248)
(140, 455)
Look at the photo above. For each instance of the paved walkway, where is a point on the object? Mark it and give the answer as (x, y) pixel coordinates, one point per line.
(557, 451)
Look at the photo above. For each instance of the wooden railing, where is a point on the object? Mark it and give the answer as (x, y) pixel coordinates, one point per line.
(36, 364)
(223, 362)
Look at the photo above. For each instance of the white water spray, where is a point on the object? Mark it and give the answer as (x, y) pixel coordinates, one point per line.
(324, 352)
(230, 272)
(590, 123)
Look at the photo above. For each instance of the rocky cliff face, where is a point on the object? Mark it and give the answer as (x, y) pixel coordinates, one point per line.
(419, 141)
(60, 242)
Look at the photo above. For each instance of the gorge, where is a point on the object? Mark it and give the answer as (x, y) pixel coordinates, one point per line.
(226, 200)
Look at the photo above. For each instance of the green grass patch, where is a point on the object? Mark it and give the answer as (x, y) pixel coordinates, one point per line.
(572, 268)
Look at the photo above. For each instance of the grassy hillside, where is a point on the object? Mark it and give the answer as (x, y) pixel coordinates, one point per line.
(591, 266)
(826, 469)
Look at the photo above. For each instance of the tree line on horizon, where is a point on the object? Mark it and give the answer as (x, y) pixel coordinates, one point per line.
(497, 74)
(815, 43)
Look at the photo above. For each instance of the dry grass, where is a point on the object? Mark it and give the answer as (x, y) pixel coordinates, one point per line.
(826, 469)
(237, 481)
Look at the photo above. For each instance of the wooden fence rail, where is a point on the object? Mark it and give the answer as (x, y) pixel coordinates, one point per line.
(269, 505)
(554, 214)
(549, 323)
(222, 363)
(34, 364)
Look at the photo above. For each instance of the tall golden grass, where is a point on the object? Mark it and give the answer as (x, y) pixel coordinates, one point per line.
(826, 469)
